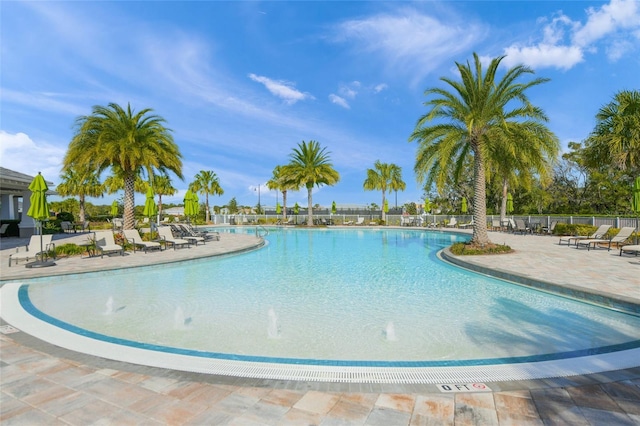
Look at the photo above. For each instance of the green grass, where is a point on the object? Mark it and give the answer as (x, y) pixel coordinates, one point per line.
(464, 249)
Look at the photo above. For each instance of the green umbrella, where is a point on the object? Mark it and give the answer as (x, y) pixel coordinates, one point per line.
(296, 208)
(114, 208)
(509, 203)
(150, 207)
(463, 207)
(39, 210)
(386, 206)
(278, 208)
(635, 203)
(190, 204)
(427, 205)
(334, 208)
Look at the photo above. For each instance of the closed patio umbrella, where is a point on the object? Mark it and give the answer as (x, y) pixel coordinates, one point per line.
(334, 208)
(114, 209)
(190, 204)
(463, 207)
(150, 207)
(635, 204)
(39, 211)
(278, 208)
(509, 203)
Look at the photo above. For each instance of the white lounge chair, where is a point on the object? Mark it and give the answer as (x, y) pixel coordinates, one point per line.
(187, 234)
(602, 229)
(106, 244)
(165, 234)
(618, 239)
(453, 222)
(32, 250)
(360, 221)
(133, 237)
(630, 248)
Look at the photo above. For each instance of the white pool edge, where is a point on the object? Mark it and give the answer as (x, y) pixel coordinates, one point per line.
(13, 313)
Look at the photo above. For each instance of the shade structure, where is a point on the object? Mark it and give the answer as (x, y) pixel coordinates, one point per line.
(635, 204)
(334, 208)
(190, 204)
(278, 208)
(39, 211)
(509, 203)
(114, 208)
(150, 207)
(296, 209)
(463, 207)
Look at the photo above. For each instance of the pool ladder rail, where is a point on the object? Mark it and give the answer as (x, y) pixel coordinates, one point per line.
(263, 229)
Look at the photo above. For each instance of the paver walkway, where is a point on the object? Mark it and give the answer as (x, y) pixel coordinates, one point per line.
(44, 384)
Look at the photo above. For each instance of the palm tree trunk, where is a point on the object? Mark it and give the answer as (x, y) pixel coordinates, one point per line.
(384, 217)
(160, 204)
(129, 201)
(480, 235)
(284, 206)
(206, 202)
(503, 204)
(310, 206)
(82, 213)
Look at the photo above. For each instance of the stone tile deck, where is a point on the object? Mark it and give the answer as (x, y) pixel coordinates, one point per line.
(44, 384)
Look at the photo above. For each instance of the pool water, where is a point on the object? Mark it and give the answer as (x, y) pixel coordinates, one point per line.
(359, 296)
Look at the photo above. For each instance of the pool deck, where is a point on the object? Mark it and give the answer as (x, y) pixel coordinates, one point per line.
(45, 384)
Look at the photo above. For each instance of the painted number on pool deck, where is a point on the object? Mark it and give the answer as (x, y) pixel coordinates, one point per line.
(465, 387)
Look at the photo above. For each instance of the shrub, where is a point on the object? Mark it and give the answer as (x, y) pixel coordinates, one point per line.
(574, 229)
(462, 249)
(69, 249)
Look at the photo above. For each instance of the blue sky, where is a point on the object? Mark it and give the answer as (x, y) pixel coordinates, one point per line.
(242, 83)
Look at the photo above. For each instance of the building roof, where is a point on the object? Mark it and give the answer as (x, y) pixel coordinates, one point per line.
(15, 183)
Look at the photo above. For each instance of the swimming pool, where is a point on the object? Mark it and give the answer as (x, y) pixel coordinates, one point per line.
(350, 298)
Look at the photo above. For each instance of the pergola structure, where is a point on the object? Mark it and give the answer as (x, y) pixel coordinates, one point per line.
(15, 199)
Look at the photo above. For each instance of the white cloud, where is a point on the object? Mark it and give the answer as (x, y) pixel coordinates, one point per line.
(282, 89)
(543, 55)
(349, 90)
(409, 41)
(20, 153)
(565, 42)
(335, 99)
(380, 87)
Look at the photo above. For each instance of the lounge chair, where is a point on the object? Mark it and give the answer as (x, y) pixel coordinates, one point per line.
(348, 222)
(467, 225)
(133, 237)
(495, 225)
(618, 239)
(165, 234)
(630, 248)
(453, 222)
(600, 232)
(32, 250)
(3, 229)
(521, 227)
(360, 221)
(184, 233)
(106, 244)
(67, 226)
(549, 229)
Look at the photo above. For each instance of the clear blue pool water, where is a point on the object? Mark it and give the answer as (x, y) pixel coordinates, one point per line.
(342, 295)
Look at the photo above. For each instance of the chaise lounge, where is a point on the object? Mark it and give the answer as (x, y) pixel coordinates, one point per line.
(106, 244)
(602, 229)
(133, 237)
(32, 250)
(618, 239)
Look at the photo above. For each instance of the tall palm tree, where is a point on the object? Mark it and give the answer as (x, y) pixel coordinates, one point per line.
(80, 183)
(479, 113)
(162, 186)
(310, 166)
(206, 182)
(616, 137)
(384, 177)
(279, 182)
(129, 143)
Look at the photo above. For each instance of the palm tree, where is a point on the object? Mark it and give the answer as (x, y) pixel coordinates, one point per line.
(616, 137)
(127, 142)
(206, 182)
(382, 177)
(310, 166)
(81, 183)
(475, 117)
(280, 183)
(162, 186)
